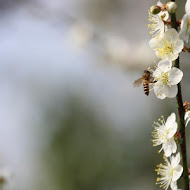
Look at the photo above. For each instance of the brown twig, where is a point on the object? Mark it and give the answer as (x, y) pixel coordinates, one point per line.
(181, 113)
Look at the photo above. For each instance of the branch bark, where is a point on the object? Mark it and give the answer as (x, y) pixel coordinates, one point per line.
(181, 113)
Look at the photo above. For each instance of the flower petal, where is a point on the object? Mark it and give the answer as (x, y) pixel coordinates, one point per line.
(183, 25)
(170, 92)
(169, 147)
(173, 185)
(166, 15)
(165, 65)
(172, 129)
(175, 160)
(170, 120)
(173, 145)
(163, 14)
(159, 3)
(177, 172)
(187, 7)
(171, 35)
(187, 122)
(157, 72)
(184, 35)
(158, 90)
(178, 46)
(175, 76)
(187, 114)
(153, 42)
(170, 57)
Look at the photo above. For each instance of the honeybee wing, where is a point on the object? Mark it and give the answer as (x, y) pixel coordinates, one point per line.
(138, 82)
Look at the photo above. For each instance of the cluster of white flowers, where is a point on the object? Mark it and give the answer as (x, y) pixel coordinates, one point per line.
(167, 44)
(163, 135)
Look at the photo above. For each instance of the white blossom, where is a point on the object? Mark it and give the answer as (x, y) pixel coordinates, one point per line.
(169, 172)
(163, 134)
(157, 25)
(167, 78)
(168, 45)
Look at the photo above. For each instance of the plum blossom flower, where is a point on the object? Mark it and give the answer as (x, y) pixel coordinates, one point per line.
(187, 117)
(185, 24)
(168, 45)
(157, 25)
(169, 172)
(167, 78)
(163, 134)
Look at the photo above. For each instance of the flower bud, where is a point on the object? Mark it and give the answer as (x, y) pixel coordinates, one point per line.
(155, 9)
(171, 7)
(186, 105)
(178, 138)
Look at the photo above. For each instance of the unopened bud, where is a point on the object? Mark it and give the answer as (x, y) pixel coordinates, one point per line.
(171, 7)
(186, 105)
(155, 9)
(178, 138)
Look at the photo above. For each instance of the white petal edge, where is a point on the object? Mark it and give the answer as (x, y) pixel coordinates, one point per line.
(173, 185)
(165, 65)
(170, 92)
(177, 172)
(171, 35)
(175, 76)
(186, 115)
(175, 160)
(179, 45)
(159, 92)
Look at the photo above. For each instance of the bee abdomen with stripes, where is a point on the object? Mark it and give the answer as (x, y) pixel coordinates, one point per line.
(146, 87)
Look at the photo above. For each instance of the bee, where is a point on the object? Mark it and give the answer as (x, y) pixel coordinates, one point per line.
(145, 80)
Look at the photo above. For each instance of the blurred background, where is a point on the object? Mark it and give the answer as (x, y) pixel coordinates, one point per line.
(70, 118)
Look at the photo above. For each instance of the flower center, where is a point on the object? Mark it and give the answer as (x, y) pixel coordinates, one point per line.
(164, 78)
(172, 172)
(167, 48)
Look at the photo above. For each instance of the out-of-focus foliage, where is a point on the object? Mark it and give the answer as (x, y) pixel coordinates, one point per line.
(86, 152)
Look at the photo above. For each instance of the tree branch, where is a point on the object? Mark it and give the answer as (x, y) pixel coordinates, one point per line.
(181, 113)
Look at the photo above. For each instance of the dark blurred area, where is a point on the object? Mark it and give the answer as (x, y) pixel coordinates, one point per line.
(70, 117)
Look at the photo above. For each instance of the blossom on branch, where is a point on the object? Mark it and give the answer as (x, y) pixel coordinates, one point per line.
(163, 134)
(168, 45)
(167, 78)
(157, 21)
(169, 172)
